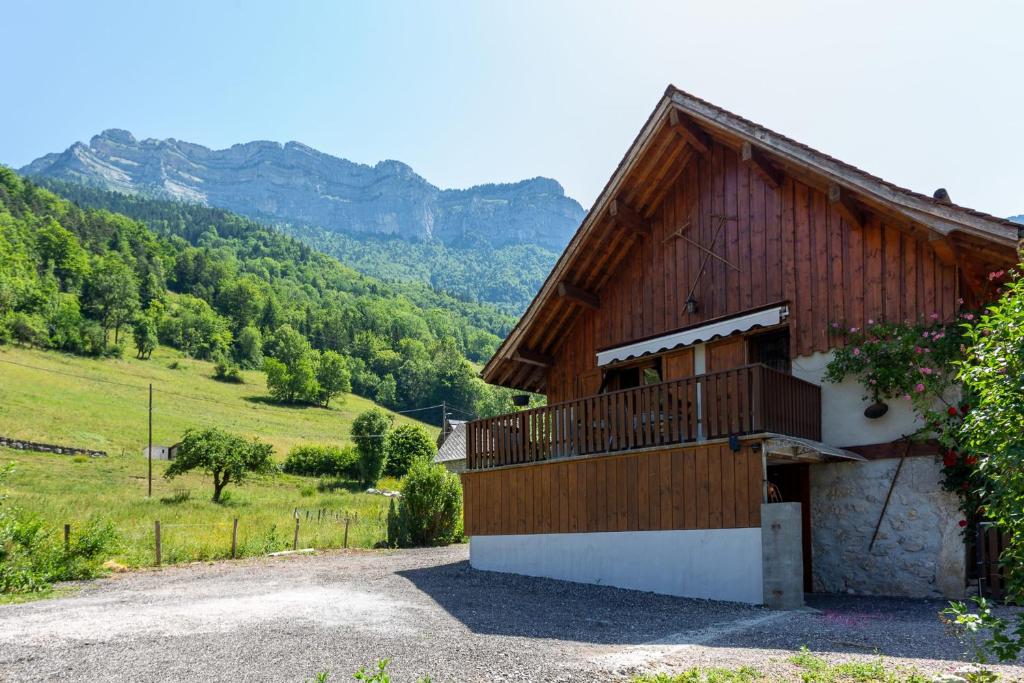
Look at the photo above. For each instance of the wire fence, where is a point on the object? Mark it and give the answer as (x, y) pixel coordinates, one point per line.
(159, 542)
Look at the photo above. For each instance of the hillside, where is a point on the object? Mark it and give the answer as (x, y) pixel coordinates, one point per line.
(102, 404)
(221, 287)
(493, 242)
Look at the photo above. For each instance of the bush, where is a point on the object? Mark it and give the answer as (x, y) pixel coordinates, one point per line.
(225, 370)
(32, 558)
(369, 431)
(322, 461)
(430, 511)
(405, 445)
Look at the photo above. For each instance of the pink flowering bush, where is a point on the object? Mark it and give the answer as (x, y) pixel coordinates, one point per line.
(898, 360)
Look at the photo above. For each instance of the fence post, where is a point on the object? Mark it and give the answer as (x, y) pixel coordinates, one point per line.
(346, 532)
(234, 538)
(156, 528)
(67, 538)
(295, 542)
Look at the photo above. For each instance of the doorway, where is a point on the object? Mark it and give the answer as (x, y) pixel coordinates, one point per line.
(792, 484)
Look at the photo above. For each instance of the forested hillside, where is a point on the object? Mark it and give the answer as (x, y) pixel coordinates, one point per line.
(505, 277)
(218, 286)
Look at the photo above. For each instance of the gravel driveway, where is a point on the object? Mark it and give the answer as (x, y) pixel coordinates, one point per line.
(284, 619)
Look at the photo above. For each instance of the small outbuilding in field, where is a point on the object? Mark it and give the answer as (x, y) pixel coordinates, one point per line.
(162, 452)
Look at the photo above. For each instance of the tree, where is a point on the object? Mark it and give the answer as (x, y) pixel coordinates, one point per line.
(369, 432)
(333, 376)
(112, 292)
(291, 377)
(992, 375)
(430, 510)
(405, 445)
(249, 348)
(145, 337)
(60, 249)
(229, 458)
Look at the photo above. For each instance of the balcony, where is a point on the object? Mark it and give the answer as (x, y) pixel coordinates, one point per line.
(751, 399)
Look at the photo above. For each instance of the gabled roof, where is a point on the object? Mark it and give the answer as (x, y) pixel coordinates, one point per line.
(454, 447)
(650, 166)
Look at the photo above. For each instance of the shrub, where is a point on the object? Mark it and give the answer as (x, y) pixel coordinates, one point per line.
(225, 370)
(322, 461)
(31, 557)
(430, 511)
(405, 445)
(369, 431)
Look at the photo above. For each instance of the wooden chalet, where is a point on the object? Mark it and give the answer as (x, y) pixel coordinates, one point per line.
(681, 340)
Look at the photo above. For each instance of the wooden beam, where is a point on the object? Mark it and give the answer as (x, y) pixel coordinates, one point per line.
(759, 164)
(627, 217)
(534, 358)
(689, 131)
(845, 205)
(943, 248)
(578, 295)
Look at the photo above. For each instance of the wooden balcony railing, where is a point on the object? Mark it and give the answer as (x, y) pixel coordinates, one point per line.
(745, 400)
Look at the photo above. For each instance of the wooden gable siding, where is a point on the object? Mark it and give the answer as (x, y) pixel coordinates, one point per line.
(790, 245)
(696, 487)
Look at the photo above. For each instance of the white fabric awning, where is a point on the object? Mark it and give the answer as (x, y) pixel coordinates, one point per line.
(693, 335)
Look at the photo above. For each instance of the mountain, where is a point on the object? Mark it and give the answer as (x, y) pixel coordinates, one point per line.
(296, 184)
(1017, 219)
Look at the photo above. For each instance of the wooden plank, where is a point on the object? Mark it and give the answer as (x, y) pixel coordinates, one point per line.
(665, 483)
(703, 489)
(714, 483)
(632, 495)
(643, 483)
(758, 162)
(622, 485)
(678, 490)
(600, 492)
(690, 488)
(728, 460)
(755, 490)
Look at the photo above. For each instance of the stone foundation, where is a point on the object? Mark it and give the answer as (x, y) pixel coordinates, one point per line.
(919, 551)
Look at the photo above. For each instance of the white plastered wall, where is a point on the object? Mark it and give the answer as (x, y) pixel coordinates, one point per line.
(716, 564)
(842, 408)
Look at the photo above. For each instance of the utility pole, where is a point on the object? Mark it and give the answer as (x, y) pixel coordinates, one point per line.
(444, 415)
(149, 451)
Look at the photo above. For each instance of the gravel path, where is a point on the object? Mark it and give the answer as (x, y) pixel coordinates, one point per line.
(284, 619)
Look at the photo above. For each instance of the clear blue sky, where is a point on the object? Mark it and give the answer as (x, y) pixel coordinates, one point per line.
(924, 94)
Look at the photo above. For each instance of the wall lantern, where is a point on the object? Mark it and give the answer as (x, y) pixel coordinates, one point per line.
(691, 304)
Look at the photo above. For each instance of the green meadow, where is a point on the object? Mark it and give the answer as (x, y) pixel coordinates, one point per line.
(102, 404)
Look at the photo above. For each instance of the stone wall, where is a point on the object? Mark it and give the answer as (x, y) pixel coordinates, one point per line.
(24, 445)
(919, 551)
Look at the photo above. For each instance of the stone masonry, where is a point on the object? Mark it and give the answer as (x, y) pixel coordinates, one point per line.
(919, 551)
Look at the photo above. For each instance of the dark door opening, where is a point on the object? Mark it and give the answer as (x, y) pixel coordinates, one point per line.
(792, 483)
(771, 349)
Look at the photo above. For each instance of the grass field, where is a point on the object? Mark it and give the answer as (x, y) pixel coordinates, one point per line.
(101, 404)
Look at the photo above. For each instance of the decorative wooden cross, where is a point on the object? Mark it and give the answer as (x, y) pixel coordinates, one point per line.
(721, 220)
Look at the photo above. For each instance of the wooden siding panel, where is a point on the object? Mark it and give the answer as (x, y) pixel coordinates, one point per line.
(789, 244)
(697, 487)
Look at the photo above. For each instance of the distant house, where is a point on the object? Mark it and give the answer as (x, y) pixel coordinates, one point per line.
(451, 443)
(164, 452)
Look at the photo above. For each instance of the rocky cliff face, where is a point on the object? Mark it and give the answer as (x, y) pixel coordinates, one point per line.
(293, 183)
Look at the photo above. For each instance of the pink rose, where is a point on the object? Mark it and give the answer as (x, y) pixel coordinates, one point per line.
(870, 321)
(919, 387)
(856, 351)
(926, 371)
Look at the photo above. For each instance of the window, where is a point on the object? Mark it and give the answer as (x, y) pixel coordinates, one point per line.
(630, 376)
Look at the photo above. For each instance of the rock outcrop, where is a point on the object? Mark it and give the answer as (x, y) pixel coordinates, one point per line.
(294, 183)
